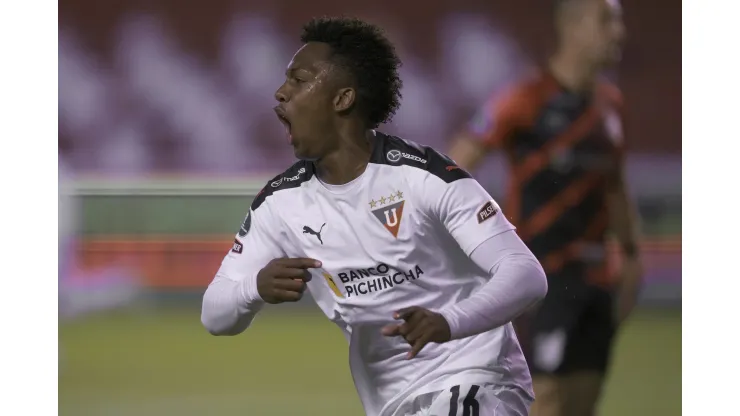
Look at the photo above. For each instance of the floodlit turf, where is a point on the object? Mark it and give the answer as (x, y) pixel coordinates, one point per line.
(165, 363)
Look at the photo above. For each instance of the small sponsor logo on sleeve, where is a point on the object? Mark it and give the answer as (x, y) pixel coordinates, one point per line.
(487, 211)
(238, 247)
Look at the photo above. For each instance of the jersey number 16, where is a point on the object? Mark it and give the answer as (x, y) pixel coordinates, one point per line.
(470, 404)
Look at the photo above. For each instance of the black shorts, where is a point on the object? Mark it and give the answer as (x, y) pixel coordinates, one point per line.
(570, 330)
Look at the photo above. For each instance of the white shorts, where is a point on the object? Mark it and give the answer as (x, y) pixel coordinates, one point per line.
(467, 400)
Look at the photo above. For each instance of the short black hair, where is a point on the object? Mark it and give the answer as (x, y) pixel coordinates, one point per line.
(362, 49)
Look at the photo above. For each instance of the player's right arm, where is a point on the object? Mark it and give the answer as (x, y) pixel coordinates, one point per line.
(491, 128)
(254, 272)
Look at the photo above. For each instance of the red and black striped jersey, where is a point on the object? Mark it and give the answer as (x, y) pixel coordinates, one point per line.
(564, 149)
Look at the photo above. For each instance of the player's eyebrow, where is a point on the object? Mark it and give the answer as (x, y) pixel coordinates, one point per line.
(292, 70)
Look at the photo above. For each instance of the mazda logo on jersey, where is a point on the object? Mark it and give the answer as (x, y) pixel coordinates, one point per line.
(390, 211)
(394, 156)
(358, 282)
(297, 176)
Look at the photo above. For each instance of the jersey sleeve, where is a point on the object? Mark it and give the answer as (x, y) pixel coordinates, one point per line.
(232, 299)
(495, 122)
(255, 244)
(470, 214)
(467, 211)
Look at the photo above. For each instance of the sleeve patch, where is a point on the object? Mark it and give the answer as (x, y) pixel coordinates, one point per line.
(488, 211)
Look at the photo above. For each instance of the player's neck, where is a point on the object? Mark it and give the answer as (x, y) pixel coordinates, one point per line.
(348, 161)
(572, 71)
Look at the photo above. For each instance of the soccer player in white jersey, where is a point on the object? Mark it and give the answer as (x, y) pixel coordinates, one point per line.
(403, 250)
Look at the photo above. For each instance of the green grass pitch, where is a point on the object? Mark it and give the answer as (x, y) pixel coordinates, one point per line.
(292, 363)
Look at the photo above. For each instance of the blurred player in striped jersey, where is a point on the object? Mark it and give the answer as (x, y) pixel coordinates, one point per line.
(561, 131)
(81, 293)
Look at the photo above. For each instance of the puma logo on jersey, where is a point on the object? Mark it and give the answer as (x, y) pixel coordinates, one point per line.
(317, 234)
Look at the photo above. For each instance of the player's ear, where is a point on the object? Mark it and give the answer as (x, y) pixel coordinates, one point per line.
(344, 99)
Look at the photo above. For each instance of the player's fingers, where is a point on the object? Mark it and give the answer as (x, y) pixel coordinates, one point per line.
(405, 312)
(404, 329)
(415, 334)
(291, 285)
(288, 295)
(391, 330)
(304, 275)
(418, 346)
(415, 318)
(299, 263)
(291, 273)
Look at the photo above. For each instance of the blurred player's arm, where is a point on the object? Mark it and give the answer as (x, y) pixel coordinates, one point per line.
(516, 281)
(490, 128)
(623, 217)
(624, 224)
(232, 300)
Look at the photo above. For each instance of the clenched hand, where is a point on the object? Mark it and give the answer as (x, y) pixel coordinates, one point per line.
(284, 280)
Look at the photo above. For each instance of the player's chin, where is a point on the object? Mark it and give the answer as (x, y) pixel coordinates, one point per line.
(299, 154)
(302, 152)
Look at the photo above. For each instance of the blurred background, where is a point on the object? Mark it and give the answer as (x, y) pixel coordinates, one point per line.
(166, 133)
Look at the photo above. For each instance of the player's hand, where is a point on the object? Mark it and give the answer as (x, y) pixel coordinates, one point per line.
(421, 327)
(629, 289)
(284, 280)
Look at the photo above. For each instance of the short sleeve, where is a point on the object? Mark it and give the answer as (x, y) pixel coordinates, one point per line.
(467, 211)
(495, 122)
(254, 245)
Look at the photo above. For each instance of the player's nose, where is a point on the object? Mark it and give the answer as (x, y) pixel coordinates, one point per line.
(280, 94)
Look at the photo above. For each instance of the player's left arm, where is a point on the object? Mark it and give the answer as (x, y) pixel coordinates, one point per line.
(624, 224)
(623, 218)
(516, 279)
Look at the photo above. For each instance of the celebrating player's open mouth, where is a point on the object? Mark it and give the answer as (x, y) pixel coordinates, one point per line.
(405, 252)
(284, 119)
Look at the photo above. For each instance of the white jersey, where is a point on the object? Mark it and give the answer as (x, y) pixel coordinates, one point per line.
(400, 235)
